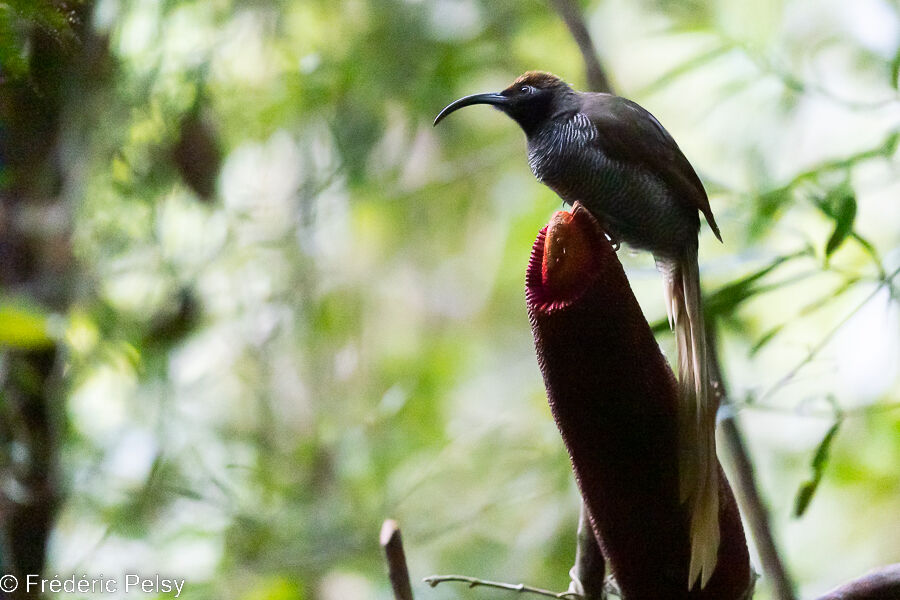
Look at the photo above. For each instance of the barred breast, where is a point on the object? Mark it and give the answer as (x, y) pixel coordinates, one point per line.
(633, 204)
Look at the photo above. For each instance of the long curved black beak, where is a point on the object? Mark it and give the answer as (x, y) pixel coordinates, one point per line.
(494, 99)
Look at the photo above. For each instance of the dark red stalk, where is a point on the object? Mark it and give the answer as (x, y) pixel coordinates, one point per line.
(614, 399)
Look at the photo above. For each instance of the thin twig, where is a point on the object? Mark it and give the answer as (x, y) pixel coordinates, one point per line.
(856, 411)
(392, 544)
(814, 351)
(794, 83)
(434, 580)
(754, 508)
(570, 14)
(883, 150)
(756, 512)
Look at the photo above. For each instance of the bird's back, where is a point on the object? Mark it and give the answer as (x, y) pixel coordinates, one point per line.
(570, 155)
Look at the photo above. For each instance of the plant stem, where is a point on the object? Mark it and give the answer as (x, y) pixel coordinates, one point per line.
(434, 580)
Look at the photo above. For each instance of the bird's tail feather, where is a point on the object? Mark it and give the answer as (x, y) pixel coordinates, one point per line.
(698, 467)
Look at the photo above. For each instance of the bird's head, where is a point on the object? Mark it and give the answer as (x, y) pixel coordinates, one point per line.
(531, 100)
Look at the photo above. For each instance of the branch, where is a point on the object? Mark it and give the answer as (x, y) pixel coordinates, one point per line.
(434, 580)
(826, 338)
(570, 14)
(392, 544)
(590, 567)
(754, 508)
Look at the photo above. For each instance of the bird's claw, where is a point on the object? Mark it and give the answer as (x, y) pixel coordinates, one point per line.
(616, 244)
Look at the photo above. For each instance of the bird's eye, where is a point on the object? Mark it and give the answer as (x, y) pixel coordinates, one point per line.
(526, 89)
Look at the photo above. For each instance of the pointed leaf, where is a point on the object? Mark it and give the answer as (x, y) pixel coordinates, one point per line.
(820, 460)
(766, 338)
(842, 208)
(726, 298)
(804, 497)
(821, 457)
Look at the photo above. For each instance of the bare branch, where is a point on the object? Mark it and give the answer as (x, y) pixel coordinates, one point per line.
(826, 338)
(590, 567)
(754, 508)
(392, 544)
(799, 411)
(434, 580)
(570, 13)
(756, 512)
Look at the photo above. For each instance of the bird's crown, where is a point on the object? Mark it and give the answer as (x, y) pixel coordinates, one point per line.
(539, 79)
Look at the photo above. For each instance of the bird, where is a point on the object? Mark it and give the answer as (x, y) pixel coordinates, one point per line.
(616, 159)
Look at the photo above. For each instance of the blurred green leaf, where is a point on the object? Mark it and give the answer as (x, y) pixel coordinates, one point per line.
(768, 206)
(17, 19)
(765, 338)
(728, 297)
(840, 206)
(702, 59)
(23, 327)
(275, 588)
(895, 70)
(12, 61)
(843, 225)
(808, 309)
(819, 462)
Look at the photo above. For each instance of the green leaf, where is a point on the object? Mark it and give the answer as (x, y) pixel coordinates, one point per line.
(725, 300)
(806, 310)
(895, 70)
(23, 327)
(804, 497)
(699, 60)
(767, 337)
(767, 207)
(821, 457)
(841, 206)
(729, 296)
(819, 462)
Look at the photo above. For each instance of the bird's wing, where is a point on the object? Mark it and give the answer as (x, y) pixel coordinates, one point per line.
(630, 134)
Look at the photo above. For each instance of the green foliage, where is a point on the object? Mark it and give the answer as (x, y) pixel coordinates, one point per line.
(330, 330)
(23, 327)
(819, 463)
(839, 205)
(17, 18)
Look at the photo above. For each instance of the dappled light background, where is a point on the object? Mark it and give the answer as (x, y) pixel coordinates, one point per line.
(267, 359)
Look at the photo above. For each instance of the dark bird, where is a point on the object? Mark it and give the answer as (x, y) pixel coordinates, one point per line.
(617, 160)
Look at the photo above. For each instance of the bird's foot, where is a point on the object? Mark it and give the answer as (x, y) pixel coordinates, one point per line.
(616, 244)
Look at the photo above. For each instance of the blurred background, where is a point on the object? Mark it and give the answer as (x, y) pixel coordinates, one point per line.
(253, 303)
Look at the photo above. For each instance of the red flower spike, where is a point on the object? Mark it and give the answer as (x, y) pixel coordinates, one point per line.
(568, 257)
(565, 266)
(614, 399)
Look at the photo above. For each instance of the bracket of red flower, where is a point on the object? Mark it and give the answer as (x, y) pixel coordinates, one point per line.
(614, 399)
